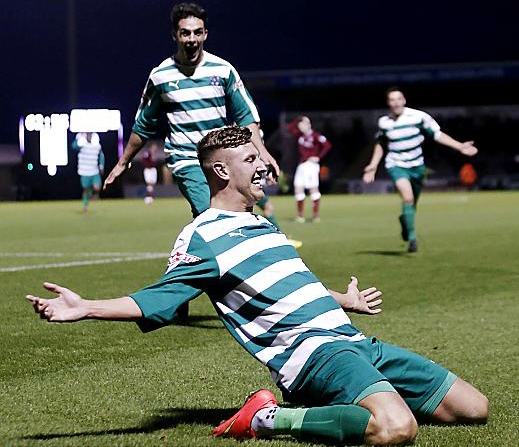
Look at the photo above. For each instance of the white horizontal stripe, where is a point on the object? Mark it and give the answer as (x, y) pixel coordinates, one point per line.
(248, 248)
(197, 115)
(403, 164)
(406, 144)
(273, 314)
(202, 71)
(181, 138)
(394, 134)
(214, 230)
(293, 366)
(329, 320)
(188, 154)
(405, 156)
(193, 94)
(182, 164)
(225, 310)
(264, 279)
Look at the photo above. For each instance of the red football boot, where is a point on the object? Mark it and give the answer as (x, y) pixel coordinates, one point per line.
(239, 425)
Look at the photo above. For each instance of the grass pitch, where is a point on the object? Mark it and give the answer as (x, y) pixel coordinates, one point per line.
(106, 384)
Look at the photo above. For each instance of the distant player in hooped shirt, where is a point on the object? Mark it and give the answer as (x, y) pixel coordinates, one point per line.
(401, 133)
(312, 148)
(90, 165)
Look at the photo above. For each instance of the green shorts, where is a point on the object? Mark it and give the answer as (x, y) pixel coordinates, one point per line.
(90, 181)
(341, 372)
(414, 175)
(193, 185)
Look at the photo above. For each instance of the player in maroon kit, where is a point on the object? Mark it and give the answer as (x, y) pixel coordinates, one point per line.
(150, 172)
(312, 148)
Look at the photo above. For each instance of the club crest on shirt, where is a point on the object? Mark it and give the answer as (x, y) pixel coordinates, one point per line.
(178, 257)
(215, 80)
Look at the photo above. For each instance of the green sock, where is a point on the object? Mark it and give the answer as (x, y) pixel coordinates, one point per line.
(336, 423)
(86, 198)
(273, 221)
(408, 211)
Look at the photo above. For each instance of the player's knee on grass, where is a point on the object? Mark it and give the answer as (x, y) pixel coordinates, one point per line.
(463, 404)
(392, 421)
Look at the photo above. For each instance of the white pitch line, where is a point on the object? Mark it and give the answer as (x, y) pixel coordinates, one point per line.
(82, 263)
(39, 254)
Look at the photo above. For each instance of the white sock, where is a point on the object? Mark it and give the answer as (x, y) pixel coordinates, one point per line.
(263, 421)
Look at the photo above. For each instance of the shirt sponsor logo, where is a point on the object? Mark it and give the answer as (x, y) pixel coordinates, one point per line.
(178, 257)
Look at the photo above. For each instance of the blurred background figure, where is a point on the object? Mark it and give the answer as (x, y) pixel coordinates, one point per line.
(267, 207)
(90, 165)
(312, 147)
(149, 162)
(468, 175)
(401, 133)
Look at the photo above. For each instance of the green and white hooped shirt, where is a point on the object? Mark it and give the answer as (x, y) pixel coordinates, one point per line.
(403, 137)
(263, 292)
(210, 96)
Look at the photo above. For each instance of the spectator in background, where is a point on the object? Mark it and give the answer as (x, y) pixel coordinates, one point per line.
(90, 165)
(312, 147)
(401, 132)
(150, 172)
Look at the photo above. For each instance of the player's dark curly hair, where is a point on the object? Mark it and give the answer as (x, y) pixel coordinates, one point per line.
(393, 88)
(185, 10)
(225, 138)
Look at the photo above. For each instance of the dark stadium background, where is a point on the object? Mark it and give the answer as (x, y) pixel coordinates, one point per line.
(61, 54)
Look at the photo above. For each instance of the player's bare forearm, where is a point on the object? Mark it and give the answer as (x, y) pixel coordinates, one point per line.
(134, 145)
(371, 169)
(68, 306)
(466, 147)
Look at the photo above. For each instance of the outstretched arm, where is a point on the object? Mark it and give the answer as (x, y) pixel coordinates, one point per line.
(371, 169)
(134, 145)
(359, 301)
(69, 307)
(466, 147)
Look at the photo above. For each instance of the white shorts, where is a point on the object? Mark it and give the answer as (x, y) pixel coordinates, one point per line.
(150, 176)
(307, 175)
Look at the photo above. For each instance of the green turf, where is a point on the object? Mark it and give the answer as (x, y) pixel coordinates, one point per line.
(106, 384)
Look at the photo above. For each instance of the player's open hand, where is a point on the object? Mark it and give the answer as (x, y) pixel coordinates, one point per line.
(272, 168)
(369, 174)
(362, 301)
(114, 173)
(468, 148)
(67, 307)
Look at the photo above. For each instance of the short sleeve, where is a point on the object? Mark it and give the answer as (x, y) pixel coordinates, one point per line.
(430, 127)
(191, 270)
